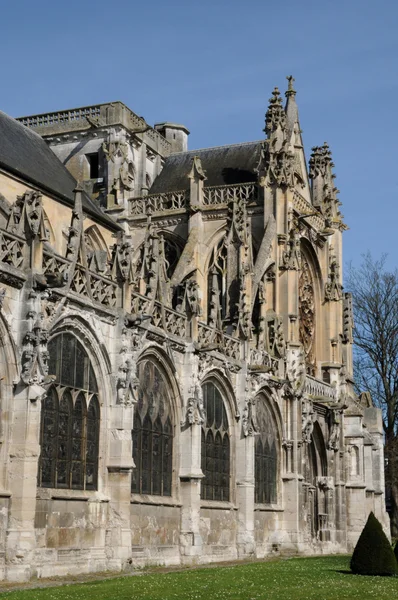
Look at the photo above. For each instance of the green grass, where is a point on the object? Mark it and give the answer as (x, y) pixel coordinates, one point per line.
(320, 578)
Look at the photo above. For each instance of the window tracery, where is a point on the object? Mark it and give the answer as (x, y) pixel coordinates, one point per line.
(152, 434)
(265, 458)
(172, 253)
(215, 446)
(69, 435)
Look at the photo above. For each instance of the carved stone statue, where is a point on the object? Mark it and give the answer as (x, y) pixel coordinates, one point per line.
(308, 417)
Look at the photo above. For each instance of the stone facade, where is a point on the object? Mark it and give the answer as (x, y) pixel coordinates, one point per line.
(176, 370)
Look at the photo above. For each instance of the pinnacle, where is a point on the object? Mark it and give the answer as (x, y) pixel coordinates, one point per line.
(290, 90)
(276, 97)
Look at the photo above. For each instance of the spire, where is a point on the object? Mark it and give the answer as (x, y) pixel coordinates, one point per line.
(276, 159)
(291, 108)
(290, 90)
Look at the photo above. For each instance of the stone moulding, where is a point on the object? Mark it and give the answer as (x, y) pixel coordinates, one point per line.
(11, 276)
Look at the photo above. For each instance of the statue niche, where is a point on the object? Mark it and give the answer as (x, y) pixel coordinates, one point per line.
(307, 325)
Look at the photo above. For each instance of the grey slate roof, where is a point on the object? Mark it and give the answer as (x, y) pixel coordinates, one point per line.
(224, 165)
(26, 154)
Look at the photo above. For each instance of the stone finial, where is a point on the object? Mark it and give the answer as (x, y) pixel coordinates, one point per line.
(76, 227)
(275, 116)
(324, 192)
(277, 160)
(197, 171)
(320, 160)
(290, 90)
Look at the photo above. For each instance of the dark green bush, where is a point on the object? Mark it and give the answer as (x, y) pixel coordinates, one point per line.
(373, 554)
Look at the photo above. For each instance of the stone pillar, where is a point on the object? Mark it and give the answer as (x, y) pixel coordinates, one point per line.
(292, 478)
(190, 462)
(22, 483)
(245, 496)
(120, 464)
(190, 478)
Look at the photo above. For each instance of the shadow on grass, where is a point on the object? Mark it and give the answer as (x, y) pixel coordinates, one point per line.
(348, 572)
(345, 571)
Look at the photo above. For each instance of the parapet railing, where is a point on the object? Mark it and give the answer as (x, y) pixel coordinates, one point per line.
(84, 282)
(162, 317)
(223, 194)
(153, 203)
(12, 249)
(64, 116)
(303, 207)
(261, 358)
(207, 336)
(319, 389)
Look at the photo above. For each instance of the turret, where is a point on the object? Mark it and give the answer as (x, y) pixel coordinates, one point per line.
(176, 134)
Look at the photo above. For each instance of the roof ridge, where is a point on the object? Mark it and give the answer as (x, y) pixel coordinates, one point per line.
(216, 147)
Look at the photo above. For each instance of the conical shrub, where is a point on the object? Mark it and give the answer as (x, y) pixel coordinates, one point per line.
(396, 550)
(373, 554)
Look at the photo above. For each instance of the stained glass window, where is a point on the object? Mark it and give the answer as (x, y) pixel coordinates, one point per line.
(266, 459)
(70, 419)
(215, 446)
(152, 434)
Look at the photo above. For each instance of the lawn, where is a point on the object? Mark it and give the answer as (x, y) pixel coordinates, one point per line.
(320, 578)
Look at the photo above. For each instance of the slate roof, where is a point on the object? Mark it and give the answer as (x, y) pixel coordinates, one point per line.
(24, 153)
(223, 165)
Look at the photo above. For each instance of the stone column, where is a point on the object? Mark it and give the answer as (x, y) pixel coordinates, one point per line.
(24, 448)
(292, 478)
(190, 478)
(190, 463)
(245, 496)
(22, 482)
(120, 464)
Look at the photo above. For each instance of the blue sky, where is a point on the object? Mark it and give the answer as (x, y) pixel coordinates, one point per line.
(212, 65)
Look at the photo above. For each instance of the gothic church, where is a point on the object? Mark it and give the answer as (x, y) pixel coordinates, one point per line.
(175, 348)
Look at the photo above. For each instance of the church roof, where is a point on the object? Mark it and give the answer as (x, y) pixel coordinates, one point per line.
(223, 165)
(24, 153)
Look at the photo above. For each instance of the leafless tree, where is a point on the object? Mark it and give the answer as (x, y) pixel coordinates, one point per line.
(375, 300)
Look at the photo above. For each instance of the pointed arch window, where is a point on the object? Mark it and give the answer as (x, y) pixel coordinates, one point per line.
(70, 418)
(266, 456)
(215, 451)
(152, 433)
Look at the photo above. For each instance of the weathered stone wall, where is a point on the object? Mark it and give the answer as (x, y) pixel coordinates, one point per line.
(269, 532)
(155, 534)
(70, 535)
(218, 529)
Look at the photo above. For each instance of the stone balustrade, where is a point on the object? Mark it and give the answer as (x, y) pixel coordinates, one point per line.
(156, 203)
(319, 389)
(61, 117)
(12, 249)
(224, 194)
(303, 207)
